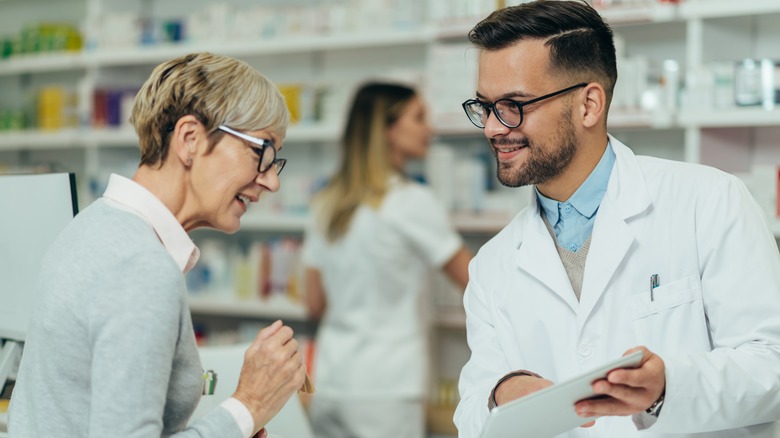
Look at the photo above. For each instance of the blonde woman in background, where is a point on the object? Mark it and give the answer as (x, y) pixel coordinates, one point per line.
(368, 251)
(111, 350)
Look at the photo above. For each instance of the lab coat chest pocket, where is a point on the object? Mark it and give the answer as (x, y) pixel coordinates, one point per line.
(673, 320)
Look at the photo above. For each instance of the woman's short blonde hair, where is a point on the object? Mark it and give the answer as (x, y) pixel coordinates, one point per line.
(217, 90)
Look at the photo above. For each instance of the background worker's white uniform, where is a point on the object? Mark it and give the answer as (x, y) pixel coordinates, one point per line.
(371, 342)
(714, 320)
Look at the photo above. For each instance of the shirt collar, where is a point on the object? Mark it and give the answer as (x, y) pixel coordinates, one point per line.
(587, 198)
(133, 197)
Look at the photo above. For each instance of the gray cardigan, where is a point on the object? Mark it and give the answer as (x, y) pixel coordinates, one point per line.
(111, 349)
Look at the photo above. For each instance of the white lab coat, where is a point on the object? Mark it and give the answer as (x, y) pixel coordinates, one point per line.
(371, 343)
(714, 320)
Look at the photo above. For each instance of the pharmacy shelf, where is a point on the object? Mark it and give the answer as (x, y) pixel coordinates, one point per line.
(451, 318)
(63, 139)
(254, 308)
(651, 13)
(457, 125)
(625, 119)
(480, 223)
(727, 8)
(42, 62)
(126, 137)
(476, 223)
(327, 132)
(456, 29)
(310, 133)
(261, 47)
(153, 54)
(740, 117)
(249, 308)
(268, 221)
(472, 223)
(108, 137)
(615, 15)
(303, 133)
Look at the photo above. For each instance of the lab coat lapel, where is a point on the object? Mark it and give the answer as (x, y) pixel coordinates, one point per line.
(538, 257)
(626, 197)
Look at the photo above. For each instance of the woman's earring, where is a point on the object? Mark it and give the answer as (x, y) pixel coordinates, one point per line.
(189, 161)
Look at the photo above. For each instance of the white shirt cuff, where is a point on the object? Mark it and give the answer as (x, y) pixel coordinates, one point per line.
(241, 414)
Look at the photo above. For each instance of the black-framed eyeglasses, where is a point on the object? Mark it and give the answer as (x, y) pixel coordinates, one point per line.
(266, 151)
(509, 112)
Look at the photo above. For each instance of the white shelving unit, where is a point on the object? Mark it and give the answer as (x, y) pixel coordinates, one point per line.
(727, 8)
(465, 222)
(693, 14)
(75, 138)
(222, 305)
(745, 117)
(650, 13)
(115, 57)
(42, 63)
(695, 33)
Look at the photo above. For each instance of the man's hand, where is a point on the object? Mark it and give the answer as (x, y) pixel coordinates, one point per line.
(629, 390)
(519, 386)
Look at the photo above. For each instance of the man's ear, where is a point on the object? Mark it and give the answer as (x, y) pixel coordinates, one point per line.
(184, 141)
(594, 105)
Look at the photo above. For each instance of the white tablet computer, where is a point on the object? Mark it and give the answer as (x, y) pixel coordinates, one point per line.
(550, 411)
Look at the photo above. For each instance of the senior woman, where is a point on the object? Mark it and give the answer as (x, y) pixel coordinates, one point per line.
(111, 350)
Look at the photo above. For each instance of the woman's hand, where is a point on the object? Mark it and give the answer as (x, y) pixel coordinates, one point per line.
(273, 371)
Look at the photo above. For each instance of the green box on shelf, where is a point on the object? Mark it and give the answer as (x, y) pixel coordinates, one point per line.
(15, 120)
(6, 47)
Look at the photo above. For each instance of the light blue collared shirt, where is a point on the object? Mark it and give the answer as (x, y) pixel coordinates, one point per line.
(572, 220)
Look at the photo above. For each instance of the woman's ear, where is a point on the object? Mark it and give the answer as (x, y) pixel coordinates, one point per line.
(594, 105)
(184, 141)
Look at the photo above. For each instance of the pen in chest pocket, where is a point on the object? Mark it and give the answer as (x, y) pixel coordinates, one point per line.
(653, 284)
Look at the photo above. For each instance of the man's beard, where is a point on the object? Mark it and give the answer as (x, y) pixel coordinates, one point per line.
(541, 165)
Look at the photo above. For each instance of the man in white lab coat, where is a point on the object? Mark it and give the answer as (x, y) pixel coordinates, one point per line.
(618, 252)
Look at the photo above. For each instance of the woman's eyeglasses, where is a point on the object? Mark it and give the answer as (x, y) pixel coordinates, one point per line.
(265, 150)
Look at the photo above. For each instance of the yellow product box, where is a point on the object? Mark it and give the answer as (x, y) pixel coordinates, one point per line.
(292, 96)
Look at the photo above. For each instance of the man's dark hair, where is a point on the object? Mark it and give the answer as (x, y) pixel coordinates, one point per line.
(581, 43)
